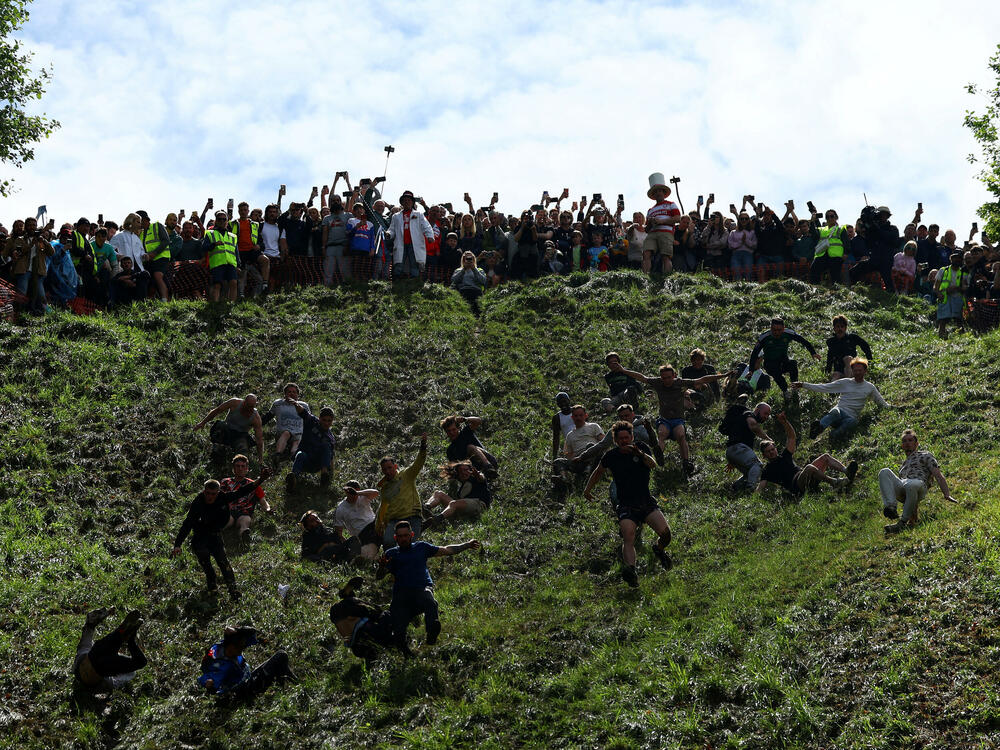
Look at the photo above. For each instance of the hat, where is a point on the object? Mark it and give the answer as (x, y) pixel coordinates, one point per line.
(244, 634)
(657, 180)
(352, 484)
(562, 394)
(143, 215)
(407, 194)
(883, 210)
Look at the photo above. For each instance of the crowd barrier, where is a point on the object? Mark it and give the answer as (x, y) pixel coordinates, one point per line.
(190, 279)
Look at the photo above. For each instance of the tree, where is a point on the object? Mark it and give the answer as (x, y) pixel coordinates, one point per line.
(18, 86)
(984, 130)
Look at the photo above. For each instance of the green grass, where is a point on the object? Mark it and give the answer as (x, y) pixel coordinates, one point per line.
(782, 625)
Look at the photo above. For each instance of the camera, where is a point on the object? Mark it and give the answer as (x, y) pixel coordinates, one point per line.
(868, 219)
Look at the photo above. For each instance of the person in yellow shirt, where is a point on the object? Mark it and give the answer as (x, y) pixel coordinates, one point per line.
(400, 500)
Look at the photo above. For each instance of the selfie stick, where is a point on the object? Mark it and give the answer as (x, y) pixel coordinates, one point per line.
(388, 153)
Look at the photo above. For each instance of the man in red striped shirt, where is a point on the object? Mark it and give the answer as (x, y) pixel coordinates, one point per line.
(660, 221)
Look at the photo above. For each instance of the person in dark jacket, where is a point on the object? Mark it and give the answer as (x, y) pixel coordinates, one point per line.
(316, 447)
(365, 628)
(773, 345)
(225, 671)
(472, 494)
(707, 394)
(99, 664)
(206, 518)
(882, 240)
(320, 542)
(841, 348)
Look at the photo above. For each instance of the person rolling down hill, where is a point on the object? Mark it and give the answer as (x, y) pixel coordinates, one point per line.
(99, 664)
(472, 495)
(207, 516)
(234, 431)
(773, 344)
(225, 671)
(854, 392)
(782, 470)
(463, 443)
(740, 425)
(910, 486)
(630, 464)
(364, 628)
(842, 348)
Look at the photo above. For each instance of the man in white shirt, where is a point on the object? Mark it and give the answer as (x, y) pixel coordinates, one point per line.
(583, 435)
(354, 514)
(270, 242)
(853, 391)
(288, 422)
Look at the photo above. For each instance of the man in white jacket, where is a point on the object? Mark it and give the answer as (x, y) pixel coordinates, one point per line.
(853, 391)
(409, 230)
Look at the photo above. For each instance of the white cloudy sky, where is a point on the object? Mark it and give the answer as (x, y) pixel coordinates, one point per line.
(163, 104)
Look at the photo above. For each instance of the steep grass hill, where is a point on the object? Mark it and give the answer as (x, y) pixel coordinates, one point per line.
(783, 624)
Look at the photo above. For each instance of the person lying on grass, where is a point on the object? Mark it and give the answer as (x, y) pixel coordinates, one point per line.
(472, 495)
(782, 470)
(365, 628)
(225, 671)
(100, 664)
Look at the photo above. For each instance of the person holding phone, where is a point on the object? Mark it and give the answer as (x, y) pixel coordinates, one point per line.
(660, 222)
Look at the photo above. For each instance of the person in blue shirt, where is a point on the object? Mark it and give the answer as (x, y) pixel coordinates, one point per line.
(225, 671)
(413, 587)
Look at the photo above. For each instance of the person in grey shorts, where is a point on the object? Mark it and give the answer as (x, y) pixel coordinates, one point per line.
(910, 485)
(472, 494)
(741, 425)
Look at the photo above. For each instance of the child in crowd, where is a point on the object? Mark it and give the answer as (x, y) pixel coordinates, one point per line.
(577, 256)
(598, 253)
(904, 267)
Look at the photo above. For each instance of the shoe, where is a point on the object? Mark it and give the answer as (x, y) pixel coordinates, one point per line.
(689, 467)
(841, 483)
(131, 623)
(630, 576)
(491, 473)
(245, 537)
(96, 617)
(893, 528)
(324, 480)
(815, 428)
(852, 470)
(290, 482)
(663, 556)
(433, 631)
(234, 592)
(889, 512)
(433, 522)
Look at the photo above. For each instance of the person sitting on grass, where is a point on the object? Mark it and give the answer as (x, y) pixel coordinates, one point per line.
(621, 388)
(842, 348)
(100, 665)
(782, 470)
(464, 444)
(854, 392)
(472, 495)
(630, 464)
(413, 587)
(288, 422)
(469, 281)
(242, 509)
(702, 396)
(208, 514)
(316, 449)
(741, 425)
(671, 393)
(583, 435)
(320, 543)
(400, 500)
(225, 672)
(910, 486)
(365, 629)
(354, 515)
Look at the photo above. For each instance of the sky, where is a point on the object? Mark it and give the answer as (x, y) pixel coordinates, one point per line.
(163, 104)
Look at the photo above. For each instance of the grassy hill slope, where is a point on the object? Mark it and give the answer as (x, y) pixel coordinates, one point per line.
(782, 624)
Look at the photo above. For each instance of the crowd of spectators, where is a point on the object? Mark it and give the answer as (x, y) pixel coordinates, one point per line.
(333, 237)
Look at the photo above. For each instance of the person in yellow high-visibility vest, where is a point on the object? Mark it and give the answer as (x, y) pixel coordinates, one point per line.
(828, 255)
(220, 247)
(254, 264)
(951, 284)
(156, 255)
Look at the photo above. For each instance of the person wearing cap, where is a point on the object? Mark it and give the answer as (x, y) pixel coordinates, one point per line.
(225, 671)
(562, 421)
(156, 251)
(882, 242)
(413, 587)
(220, 246)
(410, 231)
(741, 425)
(354, 515)
(853, 391)
(660, 222)
(100, 664)
(208, 514)
(951, 284)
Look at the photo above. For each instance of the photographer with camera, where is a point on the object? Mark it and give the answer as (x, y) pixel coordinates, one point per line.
(882, 239)
(525, 239)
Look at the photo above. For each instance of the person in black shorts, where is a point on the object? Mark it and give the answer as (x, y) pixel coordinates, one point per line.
(99, 665)
(630, 464)
(365, 628)
(782, 470)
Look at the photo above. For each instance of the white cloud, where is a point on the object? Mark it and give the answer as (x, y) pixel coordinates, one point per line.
(163, 104)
